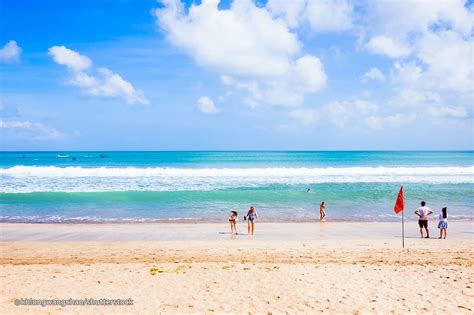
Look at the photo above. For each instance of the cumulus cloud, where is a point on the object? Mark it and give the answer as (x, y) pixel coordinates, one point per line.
(256, 51)
(101, 83)
(206, 105)
(435, 34)
(374, 74)
(319, 15)
(28, 130)
(10, 52)
(245, 43)
(70, 58)
(384, 45)
(432, 46)
(243, 40)
(449, 61)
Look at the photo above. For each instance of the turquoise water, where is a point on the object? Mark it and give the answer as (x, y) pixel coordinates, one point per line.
(205, 186)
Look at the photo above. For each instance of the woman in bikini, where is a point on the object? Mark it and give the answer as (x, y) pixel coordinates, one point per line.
(322, 211)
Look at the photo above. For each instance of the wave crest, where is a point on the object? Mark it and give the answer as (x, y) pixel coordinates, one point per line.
(54, 171)
(25, 179)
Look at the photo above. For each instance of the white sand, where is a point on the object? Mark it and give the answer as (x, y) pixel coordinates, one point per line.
(335, 267)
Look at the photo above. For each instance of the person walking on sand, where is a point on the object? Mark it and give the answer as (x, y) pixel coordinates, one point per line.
(322, 211)
(443, 223)
(233, 218)
(252, 217)
(423, 212)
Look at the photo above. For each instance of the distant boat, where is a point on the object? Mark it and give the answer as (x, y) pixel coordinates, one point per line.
(103, 155)
(74, 158)
(62, 156)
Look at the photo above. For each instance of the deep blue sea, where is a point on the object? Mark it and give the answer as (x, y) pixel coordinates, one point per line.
(205, 186)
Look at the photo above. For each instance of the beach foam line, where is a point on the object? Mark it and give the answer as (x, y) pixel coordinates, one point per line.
(216, 219)
(27, 179)
(54, 171)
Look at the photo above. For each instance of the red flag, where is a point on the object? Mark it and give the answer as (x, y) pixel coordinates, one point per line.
(400, 204)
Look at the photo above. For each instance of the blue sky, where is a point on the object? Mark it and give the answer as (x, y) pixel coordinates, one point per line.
(299, 75)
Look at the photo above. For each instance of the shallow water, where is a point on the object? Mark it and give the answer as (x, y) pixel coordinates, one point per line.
(205, 186)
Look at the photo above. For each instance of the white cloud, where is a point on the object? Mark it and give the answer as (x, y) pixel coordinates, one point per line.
(435, 40)
(449, 61)
(244, 40)
(252, 87)
(407, 74)
(320, 15)
(256, 52)
(305, 76)
(384, 45)
(374, 74)
(10, 52)
(436, 35)
(329, 15)
(396, 120)
(290, 11)
(412, 97)
(28, 130)
(206, 105)
(409, 18)
(113, 85)
(70, 58)
(339, 113)
(448, 111)
(104, 83)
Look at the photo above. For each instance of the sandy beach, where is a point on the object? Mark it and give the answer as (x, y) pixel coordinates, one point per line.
(200, 268)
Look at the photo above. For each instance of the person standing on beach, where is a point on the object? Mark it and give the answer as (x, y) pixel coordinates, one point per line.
(252, 217)
(423, 212)
(322, 211)
(233, 218)
(443, 223)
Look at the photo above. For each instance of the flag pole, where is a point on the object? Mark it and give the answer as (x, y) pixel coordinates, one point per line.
(400, 206)
(403, 230)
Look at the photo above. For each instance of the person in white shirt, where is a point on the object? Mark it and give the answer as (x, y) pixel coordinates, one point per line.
(423, 212)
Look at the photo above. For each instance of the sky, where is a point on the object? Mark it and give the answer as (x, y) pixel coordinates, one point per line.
(236, 75)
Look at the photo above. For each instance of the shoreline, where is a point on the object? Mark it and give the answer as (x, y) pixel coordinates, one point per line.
(216, 221)
(307, 231)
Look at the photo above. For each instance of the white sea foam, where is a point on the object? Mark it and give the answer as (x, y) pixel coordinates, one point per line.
(54, 171)
(78, 179)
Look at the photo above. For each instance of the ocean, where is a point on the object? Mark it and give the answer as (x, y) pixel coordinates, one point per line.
(95, 187)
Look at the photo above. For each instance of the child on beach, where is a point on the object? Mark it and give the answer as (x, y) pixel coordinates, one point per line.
(233, 218)
(252, 217)
(443, 223)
